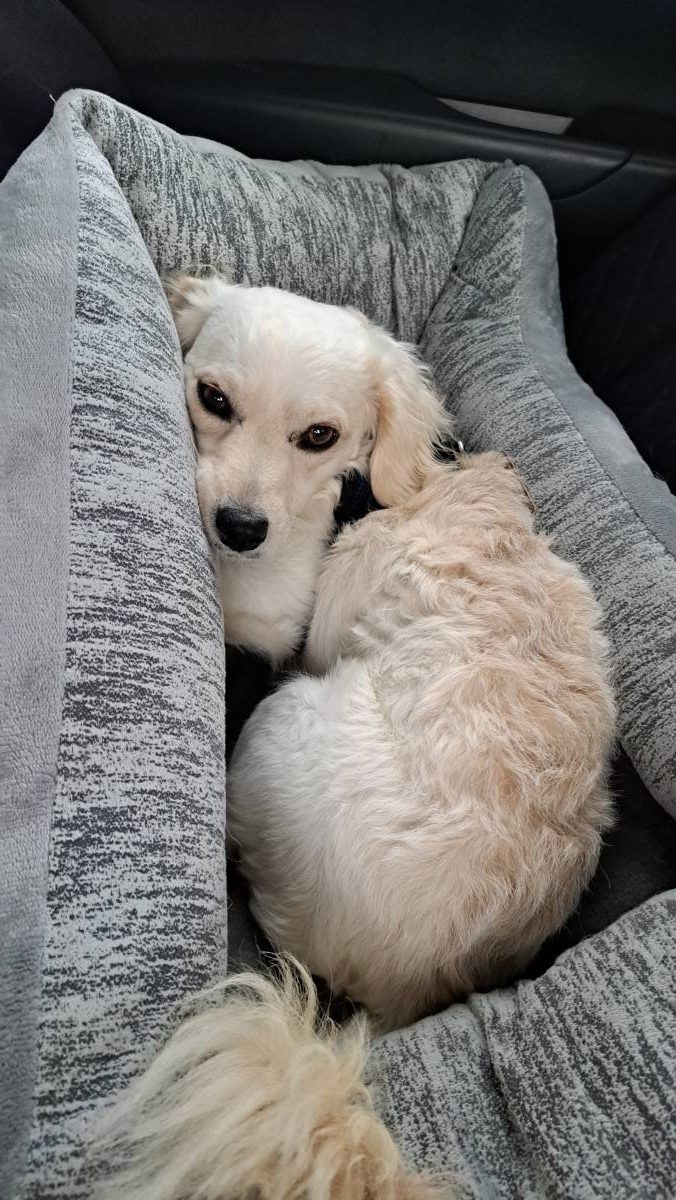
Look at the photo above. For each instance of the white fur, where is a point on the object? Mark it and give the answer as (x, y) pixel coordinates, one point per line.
(416, 819)
(288, 363)
(258, 1099)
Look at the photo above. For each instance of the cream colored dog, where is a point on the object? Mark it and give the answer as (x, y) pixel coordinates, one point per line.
(286, 396)
(415, 814)
(416, 819)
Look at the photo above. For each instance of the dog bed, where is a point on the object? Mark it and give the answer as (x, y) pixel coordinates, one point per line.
(112, 869)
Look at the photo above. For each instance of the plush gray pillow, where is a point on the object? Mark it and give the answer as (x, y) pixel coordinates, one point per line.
(112, 867)
(559, 1088)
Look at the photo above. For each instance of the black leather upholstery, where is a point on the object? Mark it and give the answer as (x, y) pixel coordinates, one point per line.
(621, 328)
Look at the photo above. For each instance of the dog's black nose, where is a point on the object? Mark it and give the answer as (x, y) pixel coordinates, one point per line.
(241, 528)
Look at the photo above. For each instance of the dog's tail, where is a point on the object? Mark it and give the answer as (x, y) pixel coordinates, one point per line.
(257, 1099)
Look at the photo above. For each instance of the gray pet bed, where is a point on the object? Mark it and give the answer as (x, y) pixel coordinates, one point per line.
(112, 870)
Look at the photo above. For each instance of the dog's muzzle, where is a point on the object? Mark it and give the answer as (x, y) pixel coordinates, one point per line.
(240, 529)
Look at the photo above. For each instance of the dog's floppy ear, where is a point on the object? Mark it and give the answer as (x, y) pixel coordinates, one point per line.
(191, 300)
(410, 419)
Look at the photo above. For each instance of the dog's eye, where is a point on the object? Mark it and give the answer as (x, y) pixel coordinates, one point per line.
(214, 400)
(318, 437)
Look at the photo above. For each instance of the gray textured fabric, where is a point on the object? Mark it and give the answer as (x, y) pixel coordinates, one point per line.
(134, 878)
(499, 356)
(37, 301)
(383, 239)
(543, 338)
(558, 1088)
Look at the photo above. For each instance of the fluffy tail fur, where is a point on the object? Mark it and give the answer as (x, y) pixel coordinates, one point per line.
(257, 1099)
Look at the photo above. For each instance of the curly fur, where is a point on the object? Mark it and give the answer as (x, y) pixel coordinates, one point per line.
(258, 1099)
(418, 817)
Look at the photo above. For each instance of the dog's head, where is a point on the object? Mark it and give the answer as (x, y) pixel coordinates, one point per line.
(286, 396)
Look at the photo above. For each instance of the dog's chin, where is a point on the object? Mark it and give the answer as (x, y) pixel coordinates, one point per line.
(225, 554)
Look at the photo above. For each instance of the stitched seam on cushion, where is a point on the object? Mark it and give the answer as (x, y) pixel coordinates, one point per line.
(73, 171)
(33, 1140)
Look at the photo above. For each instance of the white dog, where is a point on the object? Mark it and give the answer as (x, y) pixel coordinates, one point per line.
(416, 815)
(286, 396)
